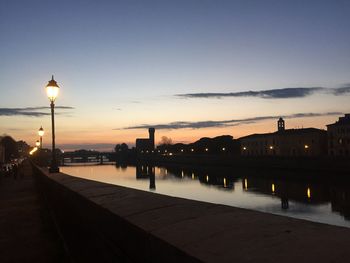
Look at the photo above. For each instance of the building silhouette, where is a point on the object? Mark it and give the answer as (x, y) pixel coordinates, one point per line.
(280, 125)
(339, 137)
(146, 145)
(285, 142)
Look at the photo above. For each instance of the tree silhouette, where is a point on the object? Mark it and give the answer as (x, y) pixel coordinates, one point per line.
(165, 141)
(11, 150)
(121, 147)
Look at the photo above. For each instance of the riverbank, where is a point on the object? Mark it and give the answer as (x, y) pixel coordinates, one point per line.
(27, 231)
(103, 221)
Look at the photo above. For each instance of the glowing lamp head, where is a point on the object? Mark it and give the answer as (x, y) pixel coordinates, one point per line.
(37, 143)
(41, 131)
(52, 89)
(306, 146)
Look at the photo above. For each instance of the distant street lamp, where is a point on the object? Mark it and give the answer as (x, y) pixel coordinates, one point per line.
(37, 143)
(41, 134)
(52, 92)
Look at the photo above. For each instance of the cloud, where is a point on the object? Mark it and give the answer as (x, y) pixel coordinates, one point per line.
(225, 123)
(30, 111)
(341, 91)
(284, 93)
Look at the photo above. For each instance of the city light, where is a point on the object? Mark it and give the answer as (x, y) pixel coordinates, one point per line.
(41, 131)
(308, 193)
(33, 150)
(245, 184)
(41, 134)
(52, 91)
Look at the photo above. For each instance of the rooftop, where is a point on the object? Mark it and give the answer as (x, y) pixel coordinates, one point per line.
(285, 132)
(342, 120)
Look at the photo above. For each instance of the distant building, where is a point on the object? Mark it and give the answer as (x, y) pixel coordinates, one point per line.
(285, 142)
(146, 145)
(2, 152)
(339, 137)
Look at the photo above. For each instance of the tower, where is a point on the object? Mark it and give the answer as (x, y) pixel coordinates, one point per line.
(151, 137)
(280, 125)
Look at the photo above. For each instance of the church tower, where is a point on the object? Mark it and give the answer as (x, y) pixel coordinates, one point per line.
(280, 125)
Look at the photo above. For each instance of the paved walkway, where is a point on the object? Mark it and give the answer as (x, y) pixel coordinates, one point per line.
(27, 232)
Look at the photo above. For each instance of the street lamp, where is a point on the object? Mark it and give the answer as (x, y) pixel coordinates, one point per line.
(37, 143)
(41, 134)
(52, 92)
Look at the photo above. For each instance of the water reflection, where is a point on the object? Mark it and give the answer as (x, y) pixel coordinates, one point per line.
(322, 201)
(146, 172)
(340, 197)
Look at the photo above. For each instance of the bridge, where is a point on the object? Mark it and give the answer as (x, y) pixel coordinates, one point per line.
(84, 156)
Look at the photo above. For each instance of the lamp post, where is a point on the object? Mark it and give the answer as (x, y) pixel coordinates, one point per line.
(52, 92)
(37, 143)
(41, 134)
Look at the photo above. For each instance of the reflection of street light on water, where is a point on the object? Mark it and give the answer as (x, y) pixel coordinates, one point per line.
(52, 90)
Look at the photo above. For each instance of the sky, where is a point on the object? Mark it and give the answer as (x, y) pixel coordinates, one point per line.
(192, 69)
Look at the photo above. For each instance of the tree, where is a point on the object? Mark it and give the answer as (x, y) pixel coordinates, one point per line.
(124, 147)
(117, 148)
(121, 147)
(11, 150)
(165, 141)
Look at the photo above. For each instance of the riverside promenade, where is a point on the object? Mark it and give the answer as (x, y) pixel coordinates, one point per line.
(103, 222)
(27, 231)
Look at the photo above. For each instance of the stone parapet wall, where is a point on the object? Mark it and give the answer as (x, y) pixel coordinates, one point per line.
(106, 223)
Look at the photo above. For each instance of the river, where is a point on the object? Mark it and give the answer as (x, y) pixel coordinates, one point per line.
(323, 201)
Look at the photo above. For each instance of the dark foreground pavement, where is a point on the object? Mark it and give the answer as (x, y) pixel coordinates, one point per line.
(27, 231)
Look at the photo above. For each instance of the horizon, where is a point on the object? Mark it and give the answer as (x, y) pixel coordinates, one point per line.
(191, 69)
